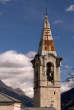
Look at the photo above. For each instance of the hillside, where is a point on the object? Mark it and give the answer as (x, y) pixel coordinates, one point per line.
(68, 100)
(17, 94)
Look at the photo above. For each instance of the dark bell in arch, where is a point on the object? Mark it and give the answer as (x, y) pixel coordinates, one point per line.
(50, 71)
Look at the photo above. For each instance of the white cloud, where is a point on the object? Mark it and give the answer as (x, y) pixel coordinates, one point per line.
(64, 87)
(16, 69)
(67, 67)
(72, 51)
(58, 21)
(70, 8)
(67, 85)
(5, 1)
(2, 1)
(1, 13)
(73, 37)
(31, 54)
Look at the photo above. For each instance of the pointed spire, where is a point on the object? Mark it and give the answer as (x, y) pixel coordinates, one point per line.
(46, 44)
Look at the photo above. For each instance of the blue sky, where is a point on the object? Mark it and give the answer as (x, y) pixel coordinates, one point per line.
(21, 23)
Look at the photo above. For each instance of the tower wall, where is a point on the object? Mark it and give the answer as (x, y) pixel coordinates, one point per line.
(46, 93)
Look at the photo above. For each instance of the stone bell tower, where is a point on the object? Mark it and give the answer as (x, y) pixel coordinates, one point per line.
(46, 66)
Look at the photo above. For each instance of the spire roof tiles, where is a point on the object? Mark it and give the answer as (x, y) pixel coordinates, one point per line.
(46, 44)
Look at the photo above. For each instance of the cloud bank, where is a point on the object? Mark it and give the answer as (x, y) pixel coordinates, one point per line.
(67, 86)
(58, 22)
(70, 8)
(5, 1)
(16, 71)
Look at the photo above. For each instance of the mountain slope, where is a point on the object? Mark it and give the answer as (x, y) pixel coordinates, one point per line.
(17, 94)
(68, 100)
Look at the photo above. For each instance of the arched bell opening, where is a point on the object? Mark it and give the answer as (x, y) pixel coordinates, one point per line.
(50, 71)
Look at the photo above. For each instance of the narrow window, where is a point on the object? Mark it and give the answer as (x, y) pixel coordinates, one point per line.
(54, 93)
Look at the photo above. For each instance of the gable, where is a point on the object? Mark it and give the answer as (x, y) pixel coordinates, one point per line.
(6, 98)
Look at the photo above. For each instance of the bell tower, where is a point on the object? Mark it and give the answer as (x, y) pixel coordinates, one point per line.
(46, 66)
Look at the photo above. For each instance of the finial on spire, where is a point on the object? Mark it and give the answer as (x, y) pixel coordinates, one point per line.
(46, 12)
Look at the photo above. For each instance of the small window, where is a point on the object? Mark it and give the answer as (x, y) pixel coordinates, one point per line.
(50, 71)
(54, 93)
